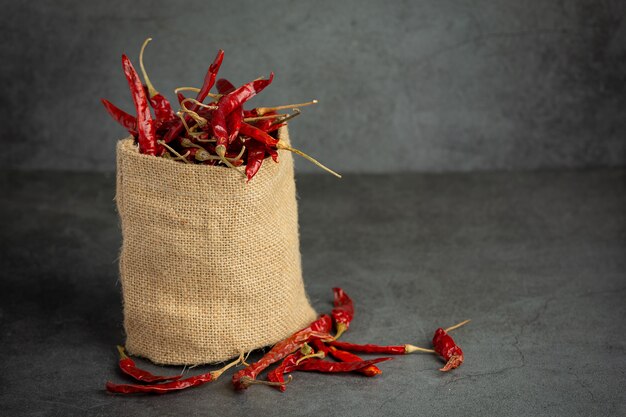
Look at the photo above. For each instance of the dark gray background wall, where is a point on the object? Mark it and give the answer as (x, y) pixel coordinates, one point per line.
(429, 85)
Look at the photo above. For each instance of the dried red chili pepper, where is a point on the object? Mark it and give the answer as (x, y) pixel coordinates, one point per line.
(343, 311)
(126, 120)
(256, 155)
(446, 347)
(345, 356)
(227, 104)
(162, 107)
(319, 365)
(277, 375)
(442, 342)
(265, 138)
(172, 386)
(145, 124)
(209, 80)
(318, 329)
(129, 367)
(386, 350)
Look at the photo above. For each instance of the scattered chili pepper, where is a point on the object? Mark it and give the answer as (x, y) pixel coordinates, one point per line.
(342, 355)
(319, 365)
(126, 120)
(145, 124)
(129, 367)
(446, 347)
(224, 86)
(172, 386)
(386, 350)
(277, 374)
(318, 329)
(343, 311)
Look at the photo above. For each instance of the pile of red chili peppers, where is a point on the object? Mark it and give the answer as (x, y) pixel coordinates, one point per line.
(210, 129)
(307, 350)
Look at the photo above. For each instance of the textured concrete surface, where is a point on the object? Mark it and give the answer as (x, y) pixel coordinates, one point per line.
(535, 259)
(423, 85)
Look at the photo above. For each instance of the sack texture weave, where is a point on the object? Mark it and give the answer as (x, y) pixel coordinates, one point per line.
(210, 265)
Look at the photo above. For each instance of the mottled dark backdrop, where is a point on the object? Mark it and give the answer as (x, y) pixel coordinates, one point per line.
(429, 85)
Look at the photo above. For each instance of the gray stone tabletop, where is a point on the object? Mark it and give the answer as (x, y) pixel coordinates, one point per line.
(536, 260)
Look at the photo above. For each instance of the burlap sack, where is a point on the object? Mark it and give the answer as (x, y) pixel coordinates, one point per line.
(210, 264)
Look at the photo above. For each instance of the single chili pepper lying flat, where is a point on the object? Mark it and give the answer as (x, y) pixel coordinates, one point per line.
(171, 386)
(343, 313)
(319, 365)
(442, 343)
(129, 367)
(446, 348)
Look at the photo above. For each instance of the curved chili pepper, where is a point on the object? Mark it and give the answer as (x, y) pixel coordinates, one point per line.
(343, 311)
(320, 365)
(318, 329)
(126, 120)
(230, 102)
(258, 135)
(145, 124)
(129, 367)
(172, 386)
(277, 375)
(446, 348)
(256, 155)
(162, 107)
(209, 80)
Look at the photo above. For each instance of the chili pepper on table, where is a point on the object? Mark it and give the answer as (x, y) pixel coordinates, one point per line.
(162, 107)
(345, 356)
(442, 342)
(145, 124)
(446, 347)
(318, 329)
(343, 311)
(171, 386)
(129, 367)
(277, 375)
(126, 120)
(319, 365)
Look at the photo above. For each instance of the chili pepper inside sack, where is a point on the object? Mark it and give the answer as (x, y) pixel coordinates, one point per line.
(210, 265)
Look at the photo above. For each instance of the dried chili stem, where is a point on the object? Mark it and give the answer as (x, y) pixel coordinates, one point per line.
(319, 354)
(262, 110)
(151, 90)
(271, 116)
(281, 145)
(456, 326)
(197, 103)
(172, 150)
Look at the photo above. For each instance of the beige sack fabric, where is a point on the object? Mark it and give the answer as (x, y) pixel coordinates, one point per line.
(210, 264)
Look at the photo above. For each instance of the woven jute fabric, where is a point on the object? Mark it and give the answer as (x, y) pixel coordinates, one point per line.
(210, 265)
